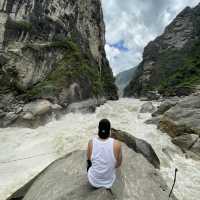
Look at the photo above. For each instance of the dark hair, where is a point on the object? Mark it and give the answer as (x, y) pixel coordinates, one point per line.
(104, 129)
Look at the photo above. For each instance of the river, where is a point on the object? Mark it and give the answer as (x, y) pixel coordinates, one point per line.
(25, 152)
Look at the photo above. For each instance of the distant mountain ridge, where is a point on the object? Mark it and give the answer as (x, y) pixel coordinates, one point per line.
(123, 78)
(171, 63)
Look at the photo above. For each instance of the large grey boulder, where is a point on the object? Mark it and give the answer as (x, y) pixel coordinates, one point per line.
(138, 145)
(147, 108)
(153, 120)
(35, 113)
(66, 179)
(37, 107)
(185, 142)
(163, 107)
(182, 118)
(182, 122)
(196, 147)
(86, 106)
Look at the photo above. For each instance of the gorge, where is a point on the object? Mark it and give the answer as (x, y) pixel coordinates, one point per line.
(56, 84)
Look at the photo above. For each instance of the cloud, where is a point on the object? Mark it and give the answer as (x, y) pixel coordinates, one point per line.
(131, 24)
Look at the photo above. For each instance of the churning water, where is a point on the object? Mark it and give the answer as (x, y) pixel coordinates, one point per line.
(25, 152)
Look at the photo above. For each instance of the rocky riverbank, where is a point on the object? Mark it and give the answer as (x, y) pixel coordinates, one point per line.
(180, 118)
(41, 111)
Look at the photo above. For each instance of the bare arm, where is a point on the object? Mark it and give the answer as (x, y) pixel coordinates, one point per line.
(118, 153)
(89, 150)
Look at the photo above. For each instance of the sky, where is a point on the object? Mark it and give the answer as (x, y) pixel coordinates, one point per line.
(132, 24)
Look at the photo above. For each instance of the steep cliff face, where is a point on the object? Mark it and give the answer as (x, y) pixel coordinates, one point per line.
(54, 50)
(171, 63)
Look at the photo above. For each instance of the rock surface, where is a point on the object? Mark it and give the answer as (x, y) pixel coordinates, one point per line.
(153, 120)
(138, 145)
(52, 50)
(182, 123)
(170, 62)
(185, 142)
(182, 118)
(66, 178)
(165, 106)
(87, 106)
(147, 108)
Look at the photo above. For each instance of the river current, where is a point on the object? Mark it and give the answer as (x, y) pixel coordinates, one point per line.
(25, 152)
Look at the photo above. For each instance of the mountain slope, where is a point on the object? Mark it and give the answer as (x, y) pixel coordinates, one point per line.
(52, 50)
(123, 78)
(171, 63)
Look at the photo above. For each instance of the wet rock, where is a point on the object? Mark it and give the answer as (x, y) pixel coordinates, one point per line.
(166, 105)
(196, 147)
(38, 107)
(147, 108)
(181, 122)
(182, 118)
(152, 95)
(185, 142)
(28, 116)
(2, 113)
(18, 110)
(153, 120)
(8, 119)
(144, 99)
(88, 106)
(66, 178)
(138, 145)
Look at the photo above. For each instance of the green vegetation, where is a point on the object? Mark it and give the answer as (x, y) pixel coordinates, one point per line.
(21, 25)
(75, 66)
(180, 69)
(24, 25)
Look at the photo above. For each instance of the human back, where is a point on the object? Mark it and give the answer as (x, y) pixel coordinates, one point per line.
(104, 154)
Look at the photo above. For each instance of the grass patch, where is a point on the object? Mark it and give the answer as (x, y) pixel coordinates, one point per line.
(188, 73)
(75, 66)
(21, 25)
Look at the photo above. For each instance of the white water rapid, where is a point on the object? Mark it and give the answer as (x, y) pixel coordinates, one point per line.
(25, 152)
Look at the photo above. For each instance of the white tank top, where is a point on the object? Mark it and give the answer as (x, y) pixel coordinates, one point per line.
(102, 171)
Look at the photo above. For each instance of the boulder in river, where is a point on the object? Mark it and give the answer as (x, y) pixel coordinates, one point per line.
(147, 108)
(138, 145)
(184, 117)
(165, 106)
(196, 147)
(153, 120)
(185, 142)
(182, 123)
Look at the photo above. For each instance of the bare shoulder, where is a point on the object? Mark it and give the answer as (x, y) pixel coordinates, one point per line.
(117, 144)
(90, 142)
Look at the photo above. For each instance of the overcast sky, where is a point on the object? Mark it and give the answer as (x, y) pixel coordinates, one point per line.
(131, 24)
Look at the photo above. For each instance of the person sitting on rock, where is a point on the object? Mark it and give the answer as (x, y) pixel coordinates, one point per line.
(104, 156)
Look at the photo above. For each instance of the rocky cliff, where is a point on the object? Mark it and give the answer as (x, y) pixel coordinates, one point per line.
(52, 50)
(171, 63)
